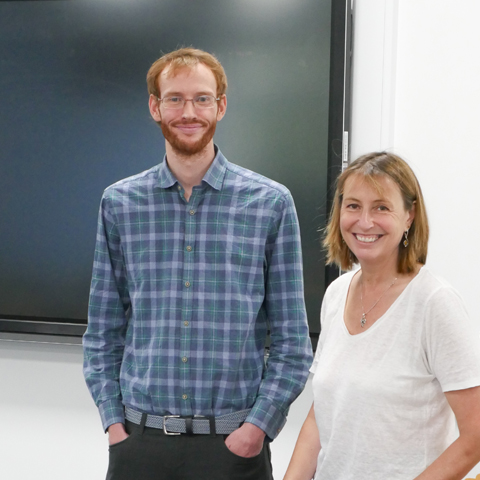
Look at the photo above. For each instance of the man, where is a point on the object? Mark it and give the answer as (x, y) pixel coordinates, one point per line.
(196, 259)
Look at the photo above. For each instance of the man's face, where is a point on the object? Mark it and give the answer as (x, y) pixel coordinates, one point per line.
(188, 130)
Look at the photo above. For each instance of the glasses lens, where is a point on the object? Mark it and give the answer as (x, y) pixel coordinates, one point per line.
(204, 101)
(173, 102)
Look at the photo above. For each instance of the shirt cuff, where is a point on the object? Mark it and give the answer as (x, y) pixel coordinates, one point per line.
(267, 417)
(111, 411)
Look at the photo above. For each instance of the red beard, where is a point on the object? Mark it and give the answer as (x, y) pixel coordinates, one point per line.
(185, 148)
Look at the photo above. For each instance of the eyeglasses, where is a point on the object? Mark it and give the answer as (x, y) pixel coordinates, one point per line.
(176, 102)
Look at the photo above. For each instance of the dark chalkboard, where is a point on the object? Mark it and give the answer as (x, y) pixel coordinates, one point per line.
(74, 119)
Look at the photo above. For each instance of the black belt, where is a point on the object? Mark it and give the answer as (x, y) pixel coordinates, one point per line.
(176, 425)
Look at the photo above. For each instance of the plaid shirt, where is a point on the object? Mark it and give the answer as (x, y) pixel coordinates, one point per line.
(183, 293)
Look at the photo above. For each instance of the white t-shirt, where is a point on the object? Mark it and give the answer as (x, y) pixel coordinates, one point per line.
(379, 402)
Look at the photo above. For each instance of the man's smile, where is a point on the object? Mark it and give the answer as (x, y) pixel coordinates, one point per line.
(189, 128)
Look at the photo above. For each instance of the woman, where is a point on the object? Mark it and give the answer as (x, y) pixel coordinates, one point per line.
(397, 360)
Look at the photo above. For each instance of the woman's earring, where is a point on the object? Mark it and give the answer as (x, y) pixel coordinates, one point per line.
(405, 242)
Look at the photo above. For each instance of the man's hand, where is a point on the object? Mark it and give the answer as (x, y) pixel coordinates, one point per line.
(116, 433)
(247, 441)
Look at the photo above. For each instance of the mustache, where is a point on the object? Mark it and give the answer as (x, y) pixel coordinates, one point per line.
(190, 122)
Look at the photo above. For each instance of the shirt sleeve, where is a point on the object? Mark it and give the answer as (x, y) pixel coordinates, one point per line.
(109, 304)
(452, 342)
(333, 301)
(321, 338)
(290, 350)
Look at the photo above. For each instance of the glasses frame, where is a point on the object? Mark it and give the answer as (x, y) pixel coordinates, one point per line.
(185, 100)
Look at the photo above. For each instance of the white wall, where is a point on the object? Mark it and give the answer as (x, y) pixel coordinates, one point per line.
(415, 91)
(49, 426)
(437, 128)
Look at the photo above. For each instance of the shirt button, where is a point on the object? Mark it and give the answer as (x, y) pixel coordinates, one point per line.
(189, 248)
(192, 212)
(186, 323)
(187, 284)
(179, 187)
(184, 396)
(184, 359)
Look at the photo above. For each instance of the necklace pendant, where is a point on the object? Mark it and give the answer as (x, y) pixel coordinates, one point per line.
(363, 321)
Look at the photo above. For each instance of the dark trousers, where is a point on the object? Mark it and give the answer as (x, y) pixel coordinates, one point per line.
(149, 454)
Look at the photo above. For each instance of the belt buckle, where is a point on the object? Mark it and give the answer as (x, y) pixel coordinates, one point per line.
(165, 431)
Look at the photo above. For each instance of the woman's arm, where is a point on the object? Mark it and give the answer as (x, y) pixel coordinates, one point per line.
(304, 459)
(463, 454)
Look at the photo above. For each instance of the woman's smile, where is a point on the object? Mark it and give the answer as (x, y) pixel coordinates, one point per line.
(366, 238)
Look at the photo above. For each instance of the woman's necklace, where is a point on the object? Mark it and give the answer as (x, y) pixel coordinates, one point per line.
(363, 321)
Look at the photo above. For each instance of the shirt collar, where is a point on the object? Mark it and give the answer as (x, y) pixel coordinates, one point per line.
(216, 173)
(214, 176)
(165, 176)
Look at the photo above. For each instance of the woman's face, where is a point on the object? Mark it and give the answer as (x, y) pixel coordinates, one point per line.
(372, 222)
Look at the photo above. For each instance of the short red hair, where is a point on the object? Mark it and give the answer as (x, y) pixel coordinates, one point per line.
(186, 57)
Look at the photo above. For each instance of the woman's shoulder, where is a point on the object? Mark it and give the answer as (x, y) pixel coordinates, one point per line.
(340, 284)
(439, 305)
(428, 286)
(335, 294)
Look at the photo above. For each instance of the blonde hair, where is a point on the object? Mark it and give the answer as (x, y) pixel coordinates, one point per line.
(185, 57)
(372, 166)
